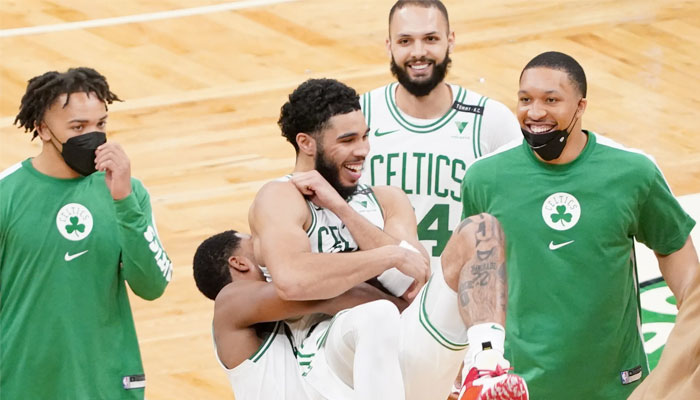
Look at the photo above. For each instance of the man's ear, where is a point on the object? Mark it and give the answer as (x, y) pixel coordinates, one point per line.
(581, 107)
(43, 131)
(306, 143)
(239, 263)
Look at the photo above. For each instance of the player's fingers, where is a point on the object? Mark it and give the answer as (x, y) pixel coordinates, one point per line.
(304, 186)
(105, 165)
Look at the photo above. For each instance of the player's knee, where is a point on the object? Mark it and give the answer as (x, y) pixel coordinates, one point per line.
(379, 316)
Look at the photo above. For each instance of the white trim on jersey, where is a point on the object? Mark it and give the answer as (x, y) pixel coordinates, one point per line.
(508, 146)
(10, 170)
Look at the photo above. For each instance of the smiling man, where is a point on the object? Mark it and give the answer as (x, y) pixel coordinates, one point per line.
(319, 233)
(425, 132)
(75, 227)
(571, 202)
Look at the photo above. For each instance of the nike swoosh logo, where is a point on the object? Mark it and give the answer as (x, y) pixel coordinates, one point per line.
(377, 133)
(69, 257)
(553, 246)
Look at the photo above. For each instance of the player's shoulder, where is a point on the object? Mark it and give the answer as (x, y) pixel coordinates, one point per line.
(378, 90)
(386, 193)
(486, 105)
(277, 198)
(375, 97)
(617, 152)
(16, 180)
(11, 173)
(498, 160)
(276, 188)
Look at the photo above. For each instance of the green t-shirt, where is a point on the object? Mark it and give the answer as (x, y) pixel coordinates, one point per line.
(66, 250)
(573, 325)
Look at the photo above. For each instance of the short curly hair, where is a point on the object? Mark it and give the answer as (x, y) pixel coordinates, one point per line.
(311, 106)
(44, 89)
(210, 264)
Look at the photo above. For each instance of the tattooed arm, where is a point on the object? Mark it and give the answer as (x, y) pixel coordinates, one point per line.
(474, 265)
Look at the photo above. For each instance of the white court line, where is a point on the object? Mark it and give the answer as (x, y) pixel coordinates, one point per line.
(128, 19)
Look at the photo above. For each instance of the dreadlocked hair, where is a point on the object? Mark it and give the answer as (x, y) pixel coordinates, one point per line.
(43, 90)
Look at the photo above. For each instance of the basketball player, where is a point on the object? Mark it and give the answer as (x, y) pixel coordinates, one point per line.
(257, 350)
(571, 202)
(74, 228)
(424, 132)
(320, 233)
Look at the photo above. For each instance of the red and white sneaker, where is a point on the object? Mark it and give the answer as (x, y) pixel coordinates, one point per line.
(484, 381)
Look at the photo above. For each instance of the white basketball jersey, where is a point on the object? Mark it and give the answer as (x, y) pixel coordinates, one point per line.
(328, 234)
(427, 159)
(271, 373)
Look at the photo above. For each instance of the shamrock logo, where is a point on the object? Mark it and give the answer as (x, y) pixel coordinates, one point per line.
(561, 215)
(74, 222)
(363, 203)
(561, 211)
(75, 226)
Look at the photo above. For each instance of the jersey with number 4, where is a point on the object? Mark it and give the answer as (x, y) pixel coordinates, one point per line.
(428, 158)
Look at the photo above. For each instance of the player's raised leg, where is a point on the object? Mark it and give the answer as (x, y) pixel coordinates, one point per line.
(360, 347)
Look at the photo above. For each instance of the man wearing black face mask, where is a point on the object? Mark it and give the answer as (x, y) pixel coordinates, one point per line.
(571, 202)
(70, 238)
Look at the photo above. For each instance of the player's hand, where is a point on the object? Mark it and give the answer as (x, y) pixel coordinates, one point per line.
(111, 158)
(416, 266)
(312, 185)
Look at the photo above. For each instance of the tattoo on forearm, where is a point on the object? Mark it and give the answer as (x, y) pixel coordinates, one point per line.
(484, 254)
(463, 294)
(463, 224)
(482, 285)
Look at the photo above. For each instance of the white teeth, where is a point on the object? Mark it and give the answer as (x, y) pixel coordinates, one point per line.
(419, 67)
(354, 168)
(540, 129)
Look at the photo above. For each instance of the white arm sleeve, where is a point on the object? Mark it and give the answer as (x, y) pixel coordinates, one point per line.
(395, 281)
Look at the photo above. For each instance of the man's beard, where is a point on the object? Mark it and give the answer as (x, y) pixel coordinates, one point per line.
(331, 173)
(425, 86)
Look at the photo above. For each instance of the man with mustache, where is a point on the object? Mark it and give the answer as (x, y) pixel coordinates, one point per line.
(425, 132)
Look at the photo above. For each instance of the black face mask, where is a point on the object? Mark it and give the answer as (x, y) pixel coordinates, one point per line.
(549, 145)
(79, 151)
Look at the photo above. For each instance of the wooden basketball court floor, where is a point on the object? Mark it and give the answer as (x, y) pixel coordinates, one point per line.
(204, 80)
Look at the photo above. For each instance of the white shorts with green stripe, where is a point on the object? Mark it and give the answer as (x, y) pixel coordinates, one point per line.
(322, 382)
(432, 341)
